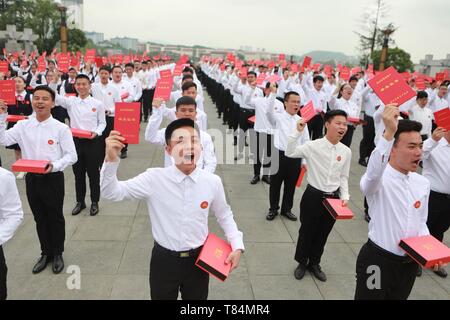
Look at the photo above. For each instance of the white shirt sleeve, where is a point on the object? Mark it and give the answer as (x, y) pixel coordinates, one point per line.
(152, 132)
(69, 152)
(11, 213)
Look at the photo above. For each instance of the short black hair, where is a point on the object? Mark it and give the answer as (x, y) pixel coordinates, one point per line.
(116, 67)
(187, 69)
(318, 78)
(186, 101)
(353, 78)
(46, 88)
(251, 72)
(130, 65)
(421, 95)
(329, 116)
(177, 124)
(105, 68)
(268, 84)
(82, 76)
(188, 76)
(406, 126)
(187, 85)
(289, 94)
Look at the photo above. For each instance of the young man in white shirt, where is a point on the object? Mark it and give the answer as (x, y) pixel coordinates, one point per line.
(421, 113)
(178, 199)
(398, 206)
(11, 215)
(328, 172)
(44, 138)
(317, 95)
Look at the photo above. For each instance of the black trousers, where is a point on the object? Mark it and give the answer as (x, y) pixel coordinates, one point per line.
(438, 214)
(396, 278)
(171, 274)
(147, 100)
(227, 106)
(3, 274)
(234, 119)
(45, 195)
(244, 125)
(316, 225)
(347, 138)
(367, 142)
(287, 173)
(315, 127)
(261, 146)
(89, 154)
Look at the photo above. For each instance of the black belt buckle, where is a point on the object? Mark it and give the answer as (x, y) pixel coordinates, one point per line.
(185, 254)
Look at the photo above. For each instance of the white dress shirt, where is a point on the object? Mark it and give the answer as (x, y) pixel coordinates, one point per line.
(424, 116)
(201, 119)
(47, 140)
(178, 204)
(436, 103)
(154, 135)
(398, 203)
(349, 106)
(124, 88)
(175, 95)
(11, 213)
(136, 85)
(262, 105)
(108, 94)
(319, 98)
(328, 164)
(85, 114)
(436, 164)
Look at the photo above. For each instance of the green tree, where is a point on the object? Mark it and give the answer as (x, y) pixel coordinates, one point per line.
(396, 57)
(77, 40)
(45, 23)
(17, 13)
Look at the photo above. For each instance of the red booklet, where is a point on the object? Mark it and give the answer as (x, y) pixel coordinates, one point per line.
(306, 62)
(164, 74)
(390, 87)
(354, 120)
(213, 256)
(4, 67)
(126, 121)
(261, 78)
(31, 166)
(440, 76)
(64, 63)
(163, 89)
(125, 95)
(15, 118)
(344, 74)
(244, 73)
(8, 91)
(252, 119)
(78, 133)
(308, 112)
(90, 55)
(442, 118)
(274, 78)
(335, 208)
(178, 70)
(426, 250)
(420, 84)
(42, 66)
(301, 176)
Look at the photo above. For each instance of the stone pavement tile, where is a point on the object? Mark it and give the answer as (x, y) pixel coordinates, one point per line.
(104, 228)
(120, 209)
(95, 257)
(242, 191)
(356, 247)
(136, 258)
(294, 226)
(337, 287)
(131, 287)
(259, 230)
(338, 259)
(21, 255)
(141, 229)
(352, 231)
(250, 208)
(284, 287)
(444, 283)
(270, 258)
(425, 288)
(236, 287)
(240, 177)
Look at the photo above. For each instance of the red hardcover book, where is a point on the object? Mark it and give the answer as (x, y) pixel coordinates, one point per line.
(42, 66)
(90, 55)
(420, 84)
(308, 112)
(274, 78)
(440, 76)
(15, 118)
(165, 74)
(354, 120)
(212, 258)
(335, 208)
(125, 95)
(64, 63)
(426, 250)
(261, 78)
(178, 70)
(306, 62)
(31, 166)
(344, 74)
(99, 62)
(390, 87)
(252, 119)
(442, 118)
(126, 121)
(301, 176)
(295, 68)
(163, 89)
(8, 91)
(4, 67)
(78, 133)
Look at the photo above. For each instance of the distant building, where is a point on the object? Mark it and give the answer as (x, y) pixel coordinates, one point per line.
(430, 66)
(126, 43)
(96, 37)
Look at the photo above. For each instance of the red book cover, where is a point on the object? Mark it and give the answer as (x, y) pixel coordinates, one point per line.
(442, 118)
(282, 57)
(64, 63)
(212, 258)
(178, 70)
(294, 68)
(420, 84)
(274, 78)
(165, 74)
(440, 76)
(426, 250)
(126, 121)
(308, 112)
(125, 95)
(252, 119)
(306, 62)
(4, 67)
(244, 72)
(163, 89)
(335, 208)
(15, 118)
(391, 87)
(99, 62)
(90, 55)
(316, 67)
(301, 176)
(261, 78)
(344, 74)
(31, 166)
(42, 66)
(8, 91)
(354, 120)
(78, 133)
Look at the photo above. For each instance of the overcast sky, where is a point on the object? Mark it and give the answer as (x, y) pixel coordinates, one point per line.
(280, 26)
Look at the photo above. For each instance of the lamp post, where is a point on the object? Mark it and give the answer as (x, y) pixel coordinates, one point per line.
(63, 28)
(384, 51)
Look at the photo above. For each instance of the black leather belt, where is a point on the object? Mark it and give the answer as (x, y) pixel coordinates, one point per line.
(179, 254)
(325, 194)
(389, 255)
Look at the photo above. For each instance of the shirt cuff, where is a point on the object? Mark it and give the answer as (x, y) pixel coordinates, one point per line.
(384, 146)
(3, 117)
(238, 244)
(295, 134)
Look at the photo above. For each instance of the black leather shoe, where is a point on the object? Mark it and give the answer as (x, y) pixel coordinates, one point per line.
(367, 217)
(145, 119)
(266, 179)
(289, 215)
(124, 155)
(246, 143)
(58, 264)
(80, 206)
(363, 162)
(316, 270)
(94, 208)
(238, 157)
(41, 264)
(235, 141)
(255, 180)
(271, 215)
(419, 271)
(441, 273)
(299, 272)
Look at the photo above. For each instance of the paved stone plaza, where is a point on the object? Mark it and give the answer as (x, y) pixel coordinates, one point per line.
(113, 248)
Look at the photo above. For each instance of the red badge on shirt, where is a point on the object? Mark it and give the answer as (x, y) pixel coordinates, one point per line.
(94, 110)
(204, 205)
(417, 205)
(51, 142)
(110, 93)
(339, 158)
